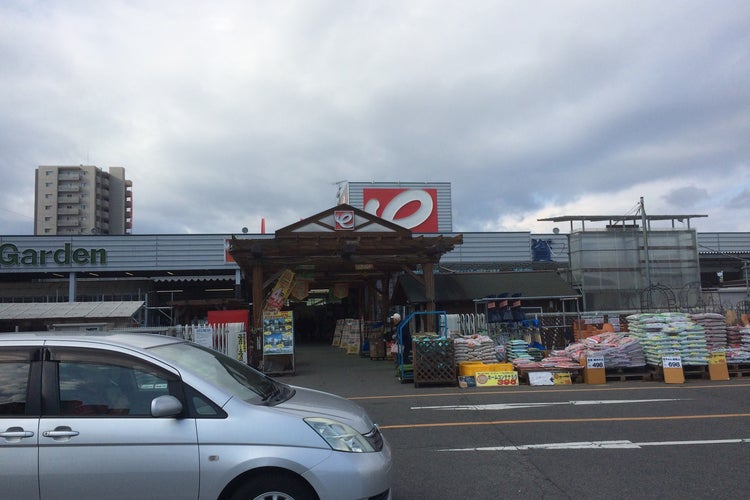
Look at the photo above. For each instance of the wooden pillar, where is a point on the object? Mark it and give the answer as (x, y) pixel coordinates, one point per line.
(385, 303)
(257, 295)
(429, 293)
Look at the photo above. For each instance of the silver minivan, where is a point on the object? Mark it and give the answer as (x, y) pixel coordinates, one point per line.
(123, 415)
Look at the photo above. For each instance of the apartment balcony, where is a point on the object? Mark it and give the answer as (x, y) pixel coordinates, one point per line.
(69, 188)
(69, 177)
(68, 199)
(68, 211)
(68, 223)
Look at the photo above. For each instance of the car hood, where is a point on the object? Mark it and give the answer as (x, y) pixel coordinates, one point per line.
(312, 403)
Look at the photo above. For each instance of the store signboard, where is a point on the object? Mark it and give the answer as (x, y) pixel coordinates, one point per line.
(495, 379)
(594, 361)
(594, 372)
(344, 220)
(717, 366)
(413, 208)
(341, 290)
(204, 335)
(672, 368)
(227, 256)
(300, 289)
(280, 292)
(12, 255)
(278, 333)
(550, 378)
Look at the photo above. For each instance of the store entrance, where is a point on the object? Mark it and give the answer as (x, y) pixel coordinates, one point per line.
(315, 324)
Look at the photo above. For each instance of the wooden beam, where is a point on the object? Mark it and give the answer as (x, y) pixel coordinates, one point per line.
(429, 292)
(258, 296)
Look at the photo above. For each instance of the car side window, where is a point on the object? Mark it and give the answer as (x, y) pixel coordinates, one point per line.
(107, 384)
(15, 374)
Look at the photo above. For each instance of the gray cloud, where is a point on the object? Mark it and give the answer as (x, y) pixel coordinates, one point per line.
(229, 112)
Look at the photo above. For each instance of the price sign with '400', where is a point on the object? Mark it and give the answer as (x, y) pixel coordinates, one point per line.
(671, 362)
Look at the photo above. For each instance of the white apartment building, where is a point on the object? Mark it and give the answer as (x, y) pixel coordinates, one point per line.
(82, 200)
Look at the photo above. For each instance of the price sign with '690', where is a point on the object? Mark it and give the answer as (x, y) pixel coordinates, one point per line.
(671, 362)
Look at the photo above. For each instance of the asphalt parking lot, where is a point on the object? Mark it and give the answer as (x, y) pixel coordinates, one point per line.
(618, 440)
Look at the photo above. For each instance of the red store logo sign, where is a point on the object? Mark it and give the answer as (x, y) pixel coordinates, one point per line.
(414, 209)
(344, 220)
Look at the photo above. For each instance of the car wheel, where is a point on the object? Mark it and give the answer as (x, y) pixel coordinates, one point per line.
(274, 487)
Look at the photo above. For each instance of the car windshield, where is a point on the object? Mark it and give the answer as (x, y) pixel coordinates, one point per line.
(235, 377)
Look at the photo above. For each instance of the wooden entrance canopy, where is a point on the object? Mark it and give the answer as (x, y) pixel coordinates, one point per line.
(340, 246)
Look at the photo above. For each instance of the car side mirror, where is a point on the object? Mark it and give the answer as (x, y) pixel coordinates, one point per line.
(165, 406)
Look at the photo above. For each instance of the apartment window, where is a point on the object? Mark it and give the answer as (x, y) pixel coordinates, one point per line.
(48, 207)
(48, 184)
(48, 172)
(48, 196)
(47, 230)
(47, 219)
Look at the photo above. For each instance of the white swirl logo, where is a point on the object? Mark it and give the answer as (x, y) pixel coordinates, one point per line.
(398, 202)
(344, 219)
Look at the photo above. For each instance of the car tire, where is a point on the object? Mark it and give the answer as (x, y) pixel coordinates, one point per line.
(274, 487)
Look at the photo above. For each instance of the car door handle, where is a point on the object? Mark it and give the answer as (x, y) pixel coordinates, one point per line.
(16, 433)
(60, 432)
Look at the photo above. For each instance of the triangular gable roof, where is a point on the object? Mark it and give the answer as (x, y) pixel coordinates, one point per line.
(341, 244)
(326, 222)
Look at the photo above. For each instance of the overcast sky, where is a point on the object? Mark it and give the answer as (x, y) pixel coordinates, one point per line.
(224, 113)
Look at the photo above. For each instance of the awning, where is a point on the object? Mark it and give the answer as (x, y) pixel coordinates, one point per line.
(69, 310)
(215, 277)
(466, 287)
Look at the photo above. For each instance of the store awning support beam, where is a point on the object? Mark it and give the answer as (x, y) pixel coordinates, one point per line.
(257, 295)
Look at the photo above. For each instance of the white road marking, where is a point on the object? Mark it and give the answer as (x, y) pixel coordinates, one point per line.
(599, 445)
(513, 406)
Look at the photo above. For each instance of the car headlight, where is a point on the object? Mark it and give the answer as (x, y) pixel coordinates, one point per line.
(340, 436)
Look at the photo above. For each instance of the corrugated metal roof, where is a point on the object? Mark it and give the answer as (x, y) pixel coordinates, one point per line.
(57, 310)
(469, 286)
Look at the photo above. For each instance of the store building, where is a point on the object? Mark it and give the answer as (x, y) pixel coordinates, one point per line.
(346, 271)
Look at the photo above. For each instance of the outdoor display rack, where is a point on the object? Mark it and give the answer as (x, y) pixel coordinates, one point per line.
(405, 370)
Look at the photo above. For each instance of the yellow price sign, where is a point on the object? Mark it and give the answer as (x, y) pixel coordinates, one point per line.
(717, 358)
